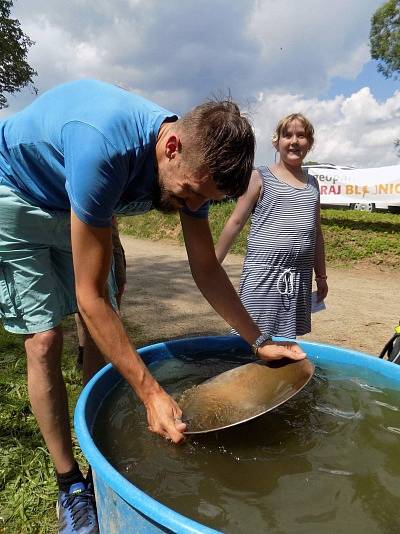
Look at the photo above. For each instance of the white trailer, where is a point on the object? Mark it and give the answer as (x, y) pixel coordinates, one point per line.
(361, 189)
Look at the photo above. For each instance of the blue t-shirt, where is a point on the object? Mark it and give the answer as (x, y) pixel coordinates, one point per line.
(87, 145)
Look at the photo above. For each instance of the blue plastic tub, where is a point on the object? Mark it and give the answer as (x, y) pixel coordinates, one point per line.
(122, 507)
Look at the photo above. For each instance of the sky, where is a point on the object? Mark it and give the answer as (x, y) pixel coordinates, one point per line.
(274, 57)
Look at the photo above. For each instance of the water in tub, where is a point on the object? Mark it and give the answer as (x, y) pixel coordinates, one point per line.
(325, 461)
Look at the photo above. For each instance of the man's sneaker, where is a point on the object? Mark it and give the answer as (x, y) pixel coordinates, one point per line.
(77, 511)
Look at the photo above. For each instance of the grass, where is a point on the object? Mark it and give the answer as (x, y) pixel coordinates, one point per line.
(27, 483)
(28, 489)
(359, 237)
(351, 237)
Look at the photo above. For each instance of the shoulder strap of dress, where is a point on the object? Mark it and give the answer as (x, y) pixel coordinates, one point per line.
(264, 171)
(313, 179)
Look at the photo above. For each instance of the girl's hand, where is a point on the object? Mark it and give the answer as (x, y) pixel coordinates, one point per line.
(322, 288)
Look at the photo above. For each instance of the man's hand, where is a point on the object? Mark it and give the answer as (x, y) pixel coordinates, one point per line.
(275, 350)
(164, 416)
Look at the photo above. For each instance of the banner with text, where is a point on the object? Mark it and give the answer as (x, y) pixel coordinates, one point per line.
(339, 186)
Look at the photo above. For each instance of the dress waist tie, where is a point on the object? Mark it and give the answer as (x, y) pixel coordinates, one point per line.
(285, 282)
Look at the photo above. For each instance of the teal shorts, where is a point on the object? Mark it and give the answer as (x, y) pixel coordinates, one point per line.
(37, 286)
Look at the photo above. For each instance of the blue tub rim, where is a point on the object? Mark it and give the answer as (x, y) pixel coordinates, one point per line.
(140, 500)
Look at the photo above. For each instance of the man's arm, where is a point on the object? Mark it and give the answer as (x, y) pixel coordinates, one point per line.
(92, 251)
(216, 287)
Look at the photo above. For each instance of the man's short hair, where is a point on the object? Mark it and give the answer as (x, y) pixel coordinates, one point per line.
(221, 143)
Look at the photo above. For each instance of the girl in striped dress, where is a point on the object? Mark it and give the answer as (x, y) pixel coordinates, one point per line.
(285, 244)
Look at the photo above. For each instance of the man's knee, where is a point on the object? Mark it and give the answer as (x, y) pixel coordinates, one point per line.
(43, 346)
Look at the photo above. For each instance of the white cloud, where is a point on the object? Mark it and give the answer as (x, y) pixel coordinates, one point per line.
(273, 56)
(303, 45)
(351, 64)
(200, 47)
(357, 131)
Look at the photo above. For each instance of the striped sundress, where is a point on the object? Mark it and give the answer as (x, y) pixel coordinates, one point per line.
(276, 281)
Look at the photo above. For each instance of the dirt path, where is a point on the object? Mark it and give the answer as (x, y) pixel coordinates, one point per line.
(363, 305)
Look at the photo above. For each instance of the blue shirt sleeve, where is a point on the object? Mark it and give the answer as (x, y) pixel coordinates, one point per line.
(201, 213)
(96, 173)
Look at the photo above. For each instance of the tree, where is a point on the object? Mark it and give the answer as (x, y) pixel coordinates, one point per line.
(384, 38)
(15, 72)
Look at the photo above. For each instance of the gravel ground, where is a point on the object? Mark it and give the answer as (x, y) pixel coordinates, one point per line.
(162, 301)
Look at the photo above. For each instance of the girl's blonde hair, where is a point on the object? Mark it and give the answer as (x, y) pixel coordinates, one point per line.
(282, 125)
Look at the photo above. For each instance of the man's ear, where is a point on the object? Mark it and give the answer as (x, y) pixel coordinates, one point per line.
(172, 146)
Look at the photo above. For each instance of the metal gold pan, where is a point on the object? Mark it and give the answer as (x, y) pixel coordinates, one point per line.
(242, 393)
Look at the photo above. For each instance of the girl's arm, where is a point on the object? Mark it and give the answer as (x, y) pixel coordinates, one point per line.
(319, 259)
(240, 214)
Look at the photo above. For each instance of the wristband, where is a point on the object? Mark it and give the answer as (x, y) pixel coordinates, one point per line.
(263, 338)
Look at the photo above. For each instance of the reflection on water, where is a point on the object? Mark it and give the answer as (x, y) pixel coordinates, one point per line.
(325, 461)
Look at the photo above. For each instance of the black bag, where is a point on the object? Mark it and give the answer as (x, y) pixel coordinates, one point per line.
(391, 351)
